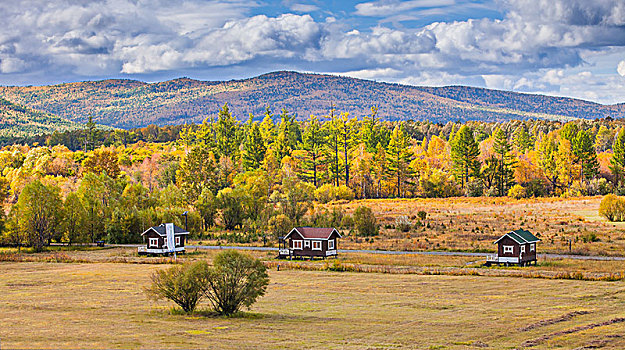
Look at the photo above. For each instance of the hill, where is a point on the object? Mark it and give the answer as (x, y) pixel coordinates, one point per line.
(18, 121)
(130, 103)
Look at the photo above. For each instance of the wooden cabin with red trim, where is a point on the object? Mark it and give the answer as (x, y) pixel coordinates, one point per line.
(163, 239)
(309, 242)
(515, 247)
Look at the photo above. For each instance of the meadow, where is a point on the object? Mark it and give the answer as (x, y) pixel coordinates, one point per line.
(473, 224)
(102, 305)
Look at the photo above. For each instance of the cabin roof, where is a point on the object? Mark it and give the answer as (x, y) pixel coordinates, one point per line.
(520, 236)
(314, 232)
(160, 229)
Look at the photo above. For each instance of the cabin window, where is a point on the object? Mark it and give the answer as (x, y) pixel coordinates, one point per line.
(165, 242)
(331, 244)
(297, 244)
(532, 247)
(153, 242)
(316, 245)
(508, 249)
(522, 249)
(178, 240)
(306, 244)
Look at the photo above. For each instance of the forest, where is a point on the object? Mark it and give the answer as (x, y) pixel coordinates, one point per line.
(260, 178)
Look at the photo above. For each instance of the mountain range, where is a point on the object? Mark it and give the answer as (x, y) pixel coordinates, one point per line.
(130, 103)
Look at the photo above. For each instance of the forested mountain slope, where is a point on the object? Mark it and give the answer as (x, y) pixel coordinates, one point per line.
(129, 103)
(19, 121)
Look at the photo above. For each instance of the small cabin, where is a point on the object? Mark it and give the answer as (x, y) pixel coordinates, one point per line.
(309, 242)
(515, 247)
(163, 239)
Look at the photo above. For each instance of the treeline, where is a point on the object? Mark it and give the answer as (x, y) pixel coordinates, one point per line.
(91, 137)
(263, 176)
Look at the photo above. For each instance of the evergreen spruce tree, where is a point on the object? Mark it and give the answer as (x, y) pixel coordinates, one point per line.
(253, 148)
(283, 145)
(504, 178)
(268, 128)
(585, 155)
(226, 134)
(522, 139)
(464, 153)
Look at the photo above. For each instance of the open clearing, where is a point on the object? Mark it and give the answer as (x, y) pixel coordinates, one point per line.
(102, 305)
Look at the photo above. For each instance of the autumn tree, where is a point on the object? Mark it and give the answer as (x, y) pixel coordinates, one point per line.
(102, 160)
(547, 158)
(75, 219)
(206, 207)
(617, 163)
(40, 209)
(464, 153)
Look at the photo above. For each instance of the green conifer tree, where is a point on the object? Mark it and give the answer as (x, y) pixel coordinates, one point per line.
(464, 153)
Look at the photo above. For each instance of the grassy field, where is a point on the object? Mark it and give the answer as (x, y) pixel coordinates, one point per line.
(473, 224)
(102, 305)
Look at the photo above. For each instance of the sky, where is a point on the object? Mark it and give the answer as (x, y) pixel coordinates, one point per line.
(573, 48)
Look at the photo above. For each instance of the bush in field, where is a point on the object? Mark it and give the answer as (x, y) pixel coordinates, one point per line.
(365, 222)
(184, 285)
(329, 192)
(403, 223)
(234, 281)
(343, 192)
(422, 215)
(324, 194)
(612, 208)
(516, 192)
(475, 188)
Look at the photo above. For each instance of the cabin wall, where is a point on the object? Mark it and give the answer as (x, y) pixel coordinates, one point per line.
(527, 256)
(161, 240)
(508, 241)
(307, 251)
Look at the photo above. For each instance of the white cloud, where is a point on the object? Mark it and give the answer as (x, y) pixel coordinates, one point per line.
(386, 8)
(304, 8)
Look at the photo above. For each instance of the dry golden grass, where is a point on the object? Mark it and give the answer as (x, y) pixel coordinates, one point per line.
(474, 223)
(102, 306)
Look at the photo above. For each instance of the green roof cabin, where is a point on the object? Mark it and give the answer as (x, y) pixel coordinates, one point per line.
(515, 247)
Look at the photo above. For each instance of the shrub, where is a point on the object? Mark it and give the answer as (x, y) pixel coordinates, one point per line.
(236, 280)
(475, 188)
(181, 284)
(516, 192)
(343, 192)
(612, 208)
(402, 223)
(325, 193)
(534, 188)
(422, 215)
(365, 222)
(329, 192)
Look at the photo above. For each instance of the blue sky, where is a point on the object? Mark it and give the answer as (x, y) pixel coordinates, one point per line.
(560, 47)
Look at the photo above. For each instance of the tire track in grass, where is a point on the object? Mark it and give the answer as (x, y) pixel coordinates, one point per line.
(537, 341)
